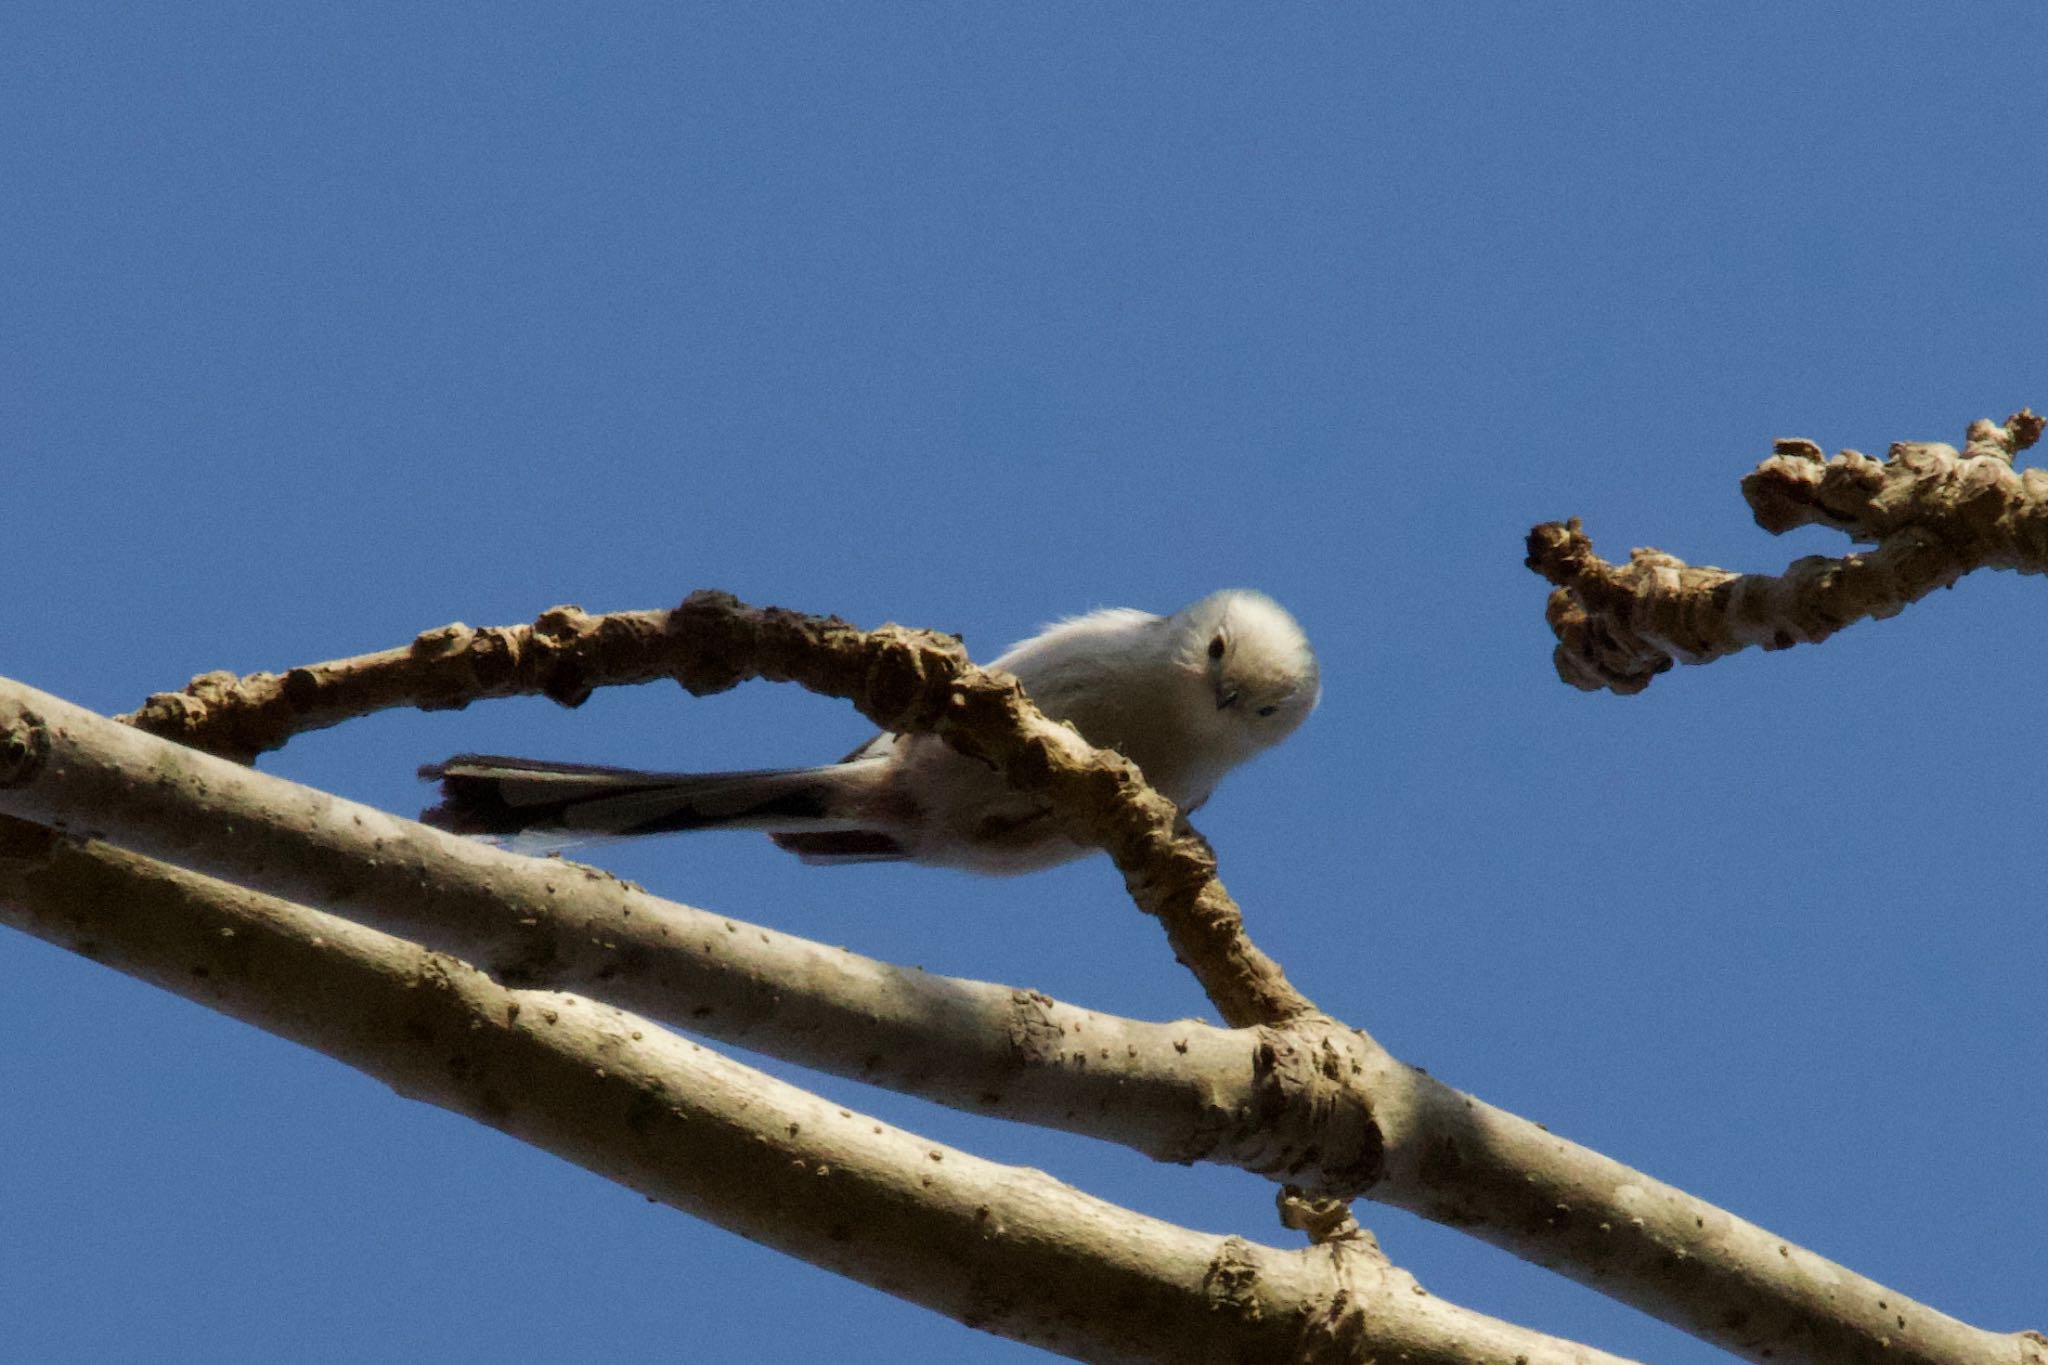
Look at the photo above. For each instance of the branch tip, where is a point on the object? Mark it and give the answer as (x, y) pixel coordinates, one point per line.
(1934, 513)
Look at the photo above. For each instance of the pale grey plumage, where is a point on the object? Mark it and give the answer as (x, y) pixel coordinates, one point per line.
(1186, 697)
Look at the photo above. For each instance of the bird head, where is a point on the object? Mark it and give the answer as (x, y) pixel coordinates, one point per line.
(1254, 661)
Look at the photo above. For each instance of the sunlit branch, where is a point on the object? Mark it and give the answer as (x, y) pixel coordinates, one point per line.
(1439, 1152)
(1001, 1248)
(1934, 513)
(903, 680)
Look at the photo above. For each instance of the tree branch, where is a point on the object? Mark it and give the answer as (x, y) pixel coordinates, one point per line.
(1004, 1249)
(1446, 1155)
(910, 681)
(1934, 513)
(1182, 1092)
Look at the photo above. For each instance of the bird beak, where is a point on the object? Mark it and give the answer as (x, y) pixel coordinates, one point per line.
(1225, 700)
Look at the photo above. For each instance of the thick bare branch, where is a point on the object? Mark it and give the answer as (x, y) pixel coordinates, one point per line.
(1461, 1162)
(1003, 1249)
(1933, 512)
(903, 680)
(1446, 1155)
(1274, 1103)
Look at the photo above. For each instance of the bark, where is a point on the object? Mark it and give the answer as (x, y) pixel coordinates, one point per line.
(1179, 1092)
(1323, 1089)
(1933, 512)
(904, 680)
(1004, 1249)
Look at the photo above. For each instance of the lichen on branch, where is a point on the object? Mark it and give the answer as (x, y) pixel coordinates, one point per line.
(1934, 513)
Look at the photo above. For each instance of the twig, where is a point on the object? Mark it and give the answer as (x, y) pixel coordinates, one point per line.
(903, 680)
(1934, 513)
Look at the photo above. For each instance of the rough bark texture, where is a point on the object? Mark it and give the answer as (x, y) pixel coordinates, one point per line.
(1933, 512)
(903, 680)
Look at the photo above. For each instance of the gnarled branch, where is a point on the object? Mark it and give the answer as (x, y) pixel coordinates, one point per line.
(912, 681)
(1934, 513)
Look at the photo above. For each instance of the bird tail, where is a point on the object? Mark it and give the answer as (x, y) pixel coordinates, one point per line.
(559, 805)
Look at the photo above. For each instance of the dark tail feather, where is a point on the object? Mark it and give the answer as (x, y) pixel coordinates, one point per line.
(492, 795)
(843, 846)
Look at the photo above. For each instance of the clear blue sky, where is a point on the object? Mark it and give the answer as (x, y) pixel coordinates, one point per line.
(322, 326)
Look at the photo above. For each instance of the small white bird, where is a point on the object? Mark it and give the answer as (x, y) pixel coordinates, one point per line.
(1186, 697)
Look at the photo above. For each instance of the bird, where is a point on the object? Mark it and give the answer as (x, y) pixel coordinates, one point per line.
(1187, 697)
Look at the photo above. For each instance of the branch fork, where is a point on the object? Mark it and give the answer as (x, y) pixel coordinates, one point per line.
(1287, 1091)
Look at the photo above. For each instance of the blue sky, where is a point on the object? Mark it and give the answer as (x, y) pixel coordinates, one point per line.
(320, 327)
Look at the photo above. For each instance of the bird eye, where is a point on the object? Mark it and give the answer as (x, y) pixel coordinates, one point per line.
(1267, 710)
(1216, 647)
